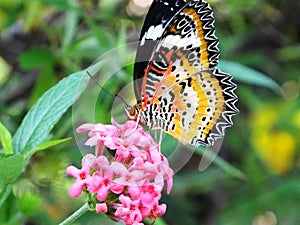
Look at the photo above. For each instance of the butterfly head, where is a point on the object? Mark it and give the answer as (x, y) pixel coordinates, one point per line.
(133, 112)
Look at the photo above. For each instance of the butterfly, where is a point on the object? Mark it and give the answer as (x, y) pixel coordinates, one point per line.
(179, 88)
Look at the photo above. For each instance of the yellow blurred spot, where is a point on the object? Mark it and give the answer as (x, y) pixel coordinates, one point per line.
(275, 146)
(276, 149)
(265, 117)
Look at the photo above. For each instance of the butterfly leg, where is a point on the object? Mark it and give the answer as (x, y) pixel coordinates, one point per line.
(160, 138)
(137, 120)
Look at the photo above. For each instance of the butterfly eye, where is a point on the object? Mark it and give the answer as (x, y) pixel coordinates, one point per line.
(132, 112)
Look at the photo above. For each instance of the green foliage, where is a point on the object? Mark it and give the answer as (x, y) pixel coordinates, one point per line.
(11, 168)
(46, 145)
(36, 126)
(211, 156)
(248, 75)
(40, 120)
(36, 58)
(29, 203)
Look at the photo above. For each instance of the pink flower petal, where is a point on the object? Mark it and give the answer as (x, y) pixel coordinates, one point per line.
(119, 168)
(159, 210)
(169, 185)
(101, 208)
(93, 141)
(129, 211)
(117, 188)
(72, 171)
(76, 189)
(85, 127)
(134, 192)
(88, 161)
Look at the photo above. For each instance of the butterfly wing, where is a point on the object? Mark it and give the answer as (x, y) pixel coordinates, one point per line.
(195, 110)
(187, 43)
(182, 91)
(159, 14)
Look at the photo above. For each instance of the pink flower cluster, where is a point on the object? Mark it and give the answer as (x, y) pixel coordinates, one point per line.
(128, 187)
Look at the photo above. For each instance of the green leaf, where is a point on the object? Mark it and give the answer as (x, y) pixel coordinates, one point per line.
(40, 120)
(11, 168)
(64, 5)
(248, 75)
(46, 145)
(36, 58)
(45, 81)
(290, 52)
(32, 10)
(109, 7)
(29, 203)
(5, 190)
(5, 138)
(71, 22)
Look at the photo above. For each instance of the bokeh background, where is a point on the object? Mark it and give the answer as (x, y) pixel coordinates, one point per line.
(43, 41)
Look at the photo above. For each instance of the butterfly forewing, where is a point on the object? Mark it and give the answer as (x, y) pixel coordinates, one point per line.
(159, 15)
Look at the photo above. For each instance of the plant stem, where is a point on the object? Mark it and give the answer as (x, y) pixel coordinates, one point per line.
(221, 163)
(71, 219)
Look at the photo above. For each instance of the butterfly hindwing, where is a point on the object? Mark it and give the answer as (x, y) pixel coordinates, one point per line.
(195, 110)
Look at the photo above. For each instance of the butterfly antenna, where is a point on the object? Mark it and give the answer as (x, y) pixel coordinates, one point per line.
(106, 91)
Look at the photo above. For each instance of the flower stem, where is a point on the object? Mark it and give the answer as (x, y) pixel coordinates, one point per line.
(71, 219)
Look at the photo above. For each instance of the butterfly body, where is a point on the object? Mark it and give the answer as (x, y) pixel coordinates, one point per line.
(180, 90)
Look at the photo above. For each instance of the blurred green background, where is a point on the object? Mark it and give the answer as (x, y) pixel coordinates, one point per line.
(43, 41)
